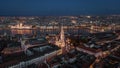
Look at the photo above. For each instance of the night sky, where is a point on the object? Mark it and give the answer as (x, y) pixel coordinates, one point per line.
(58, 7)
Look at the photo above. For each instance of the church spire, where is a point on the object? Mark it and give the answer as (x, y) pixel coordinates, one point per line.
(62, 37)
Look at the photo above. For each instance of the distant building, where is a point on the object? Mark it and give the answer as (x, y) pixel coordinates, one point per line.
(20, 26)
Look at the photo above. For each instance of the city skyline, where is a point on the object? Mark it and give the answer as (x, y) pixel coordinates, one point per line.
(58, 8)
(59, 34)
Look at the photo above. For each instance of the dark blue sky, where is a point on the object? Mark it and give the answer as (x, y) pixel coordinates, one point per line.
(59, 7)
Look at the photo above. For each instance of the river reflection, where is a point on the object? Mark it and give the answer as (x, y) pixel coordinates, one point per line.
(40, 31)
(15, 31)
(18, 31)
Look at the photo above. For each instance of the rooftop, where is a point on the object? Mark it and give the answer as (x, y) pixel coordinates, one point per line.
(73, 59)
(31, 53)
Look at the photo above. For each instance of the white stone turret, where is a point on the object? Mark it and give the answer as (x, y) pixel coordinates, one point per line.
(5, 33)
(23, 45)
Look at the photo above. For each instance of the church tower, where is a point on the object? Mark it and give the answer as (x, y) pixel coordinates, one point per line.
(62, 37)
(60, 41)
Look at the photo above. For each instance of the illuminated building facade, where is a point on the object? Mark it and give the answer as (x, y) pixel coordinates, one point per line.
(20, 26)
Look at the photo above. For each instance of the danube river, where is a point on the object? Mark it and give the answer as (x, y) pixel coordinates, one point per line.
(40, 31)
